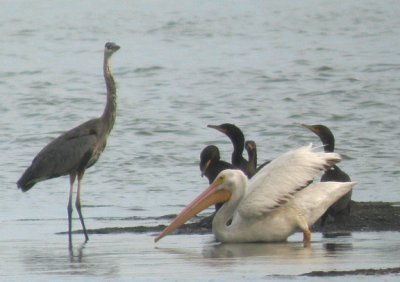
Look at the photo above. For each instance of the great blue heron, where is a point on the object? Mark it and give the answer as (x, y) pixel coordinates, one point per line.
(77, 149)
(341, 208)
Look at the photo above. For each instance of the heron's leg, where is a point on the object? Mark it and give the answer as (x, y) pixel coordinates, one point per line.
(72, 177)
(78, 204)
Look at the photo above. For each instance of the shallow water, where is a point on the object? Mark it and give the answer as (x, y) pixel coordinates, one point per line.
(266, 66)
(127, 257)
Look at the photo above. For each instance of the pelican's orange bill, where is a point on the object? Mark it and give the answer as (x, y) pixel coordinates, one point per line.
(209, 197)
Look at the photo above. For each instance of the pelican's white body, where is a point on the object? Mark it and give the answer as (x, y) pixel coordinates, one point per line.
(273, 204)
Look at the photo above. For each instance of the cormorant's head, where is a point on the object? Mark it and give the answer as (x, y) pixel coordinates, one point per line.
(230, 130)
(207, 156)
(325, 134)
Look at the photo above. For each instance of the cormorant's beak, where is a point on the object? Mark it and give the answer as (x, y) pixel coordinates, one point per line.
(209, 197)
(205, 167)
(217, 127)
(311, 128)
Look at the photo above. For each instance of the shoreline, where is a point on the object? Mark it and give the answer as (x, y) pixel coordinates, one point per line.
(363, 271)
(364, 217)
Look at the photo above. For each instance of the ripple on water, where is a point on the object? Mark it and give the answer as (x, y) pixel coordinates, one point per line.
(180, 68)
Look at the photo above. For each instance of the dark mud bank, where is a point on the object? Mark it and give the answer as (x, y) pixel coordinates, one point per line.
(368, 271)
(364, 216)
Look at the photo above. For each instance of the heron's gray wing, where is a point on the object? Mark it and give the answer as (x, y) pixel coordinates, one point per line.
(62, 157)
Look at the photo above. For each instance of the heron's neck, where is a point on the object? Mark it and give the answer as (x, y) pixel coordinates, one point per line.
(110, 110)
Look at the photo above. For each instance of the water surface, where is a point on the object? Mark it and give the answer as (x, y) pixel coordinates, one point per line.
(266, 66)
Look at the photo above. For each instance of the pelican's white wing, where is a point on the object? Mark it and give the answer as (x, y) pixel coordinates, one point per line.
(313, 201)
(276, 183)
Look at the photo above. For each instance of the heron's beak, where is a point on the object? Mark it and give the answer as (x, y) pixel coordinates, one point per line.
(205, 167)
(217, 128)
(209, 197)
(311, 128)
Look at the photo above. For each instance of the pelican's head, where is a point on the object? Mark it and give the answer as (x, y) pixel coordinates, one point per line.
(220, 191)
(231, 180)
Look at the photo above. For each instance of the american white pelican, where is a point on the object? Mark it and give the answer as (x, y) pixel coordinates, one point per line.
(273, 204)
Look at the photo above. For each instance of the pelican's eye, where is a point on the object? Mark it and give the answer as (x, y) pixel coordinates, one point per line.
(221, 179)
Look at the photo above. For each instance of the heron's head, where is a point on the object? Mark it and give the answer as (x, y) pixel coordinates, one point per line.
(111, 48)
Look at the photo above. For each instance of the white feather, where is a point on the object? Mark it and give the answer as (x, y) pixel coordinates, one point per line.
(323, 193)
(278, 181)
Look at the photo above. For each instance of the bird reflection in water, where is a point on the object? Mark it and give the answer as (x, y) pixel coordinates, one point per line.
(77, 254)
(338, 247)
(284, 250)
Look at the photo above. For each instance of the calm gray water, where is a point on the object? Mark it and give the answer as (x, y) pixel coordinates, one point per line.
(266, 66)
